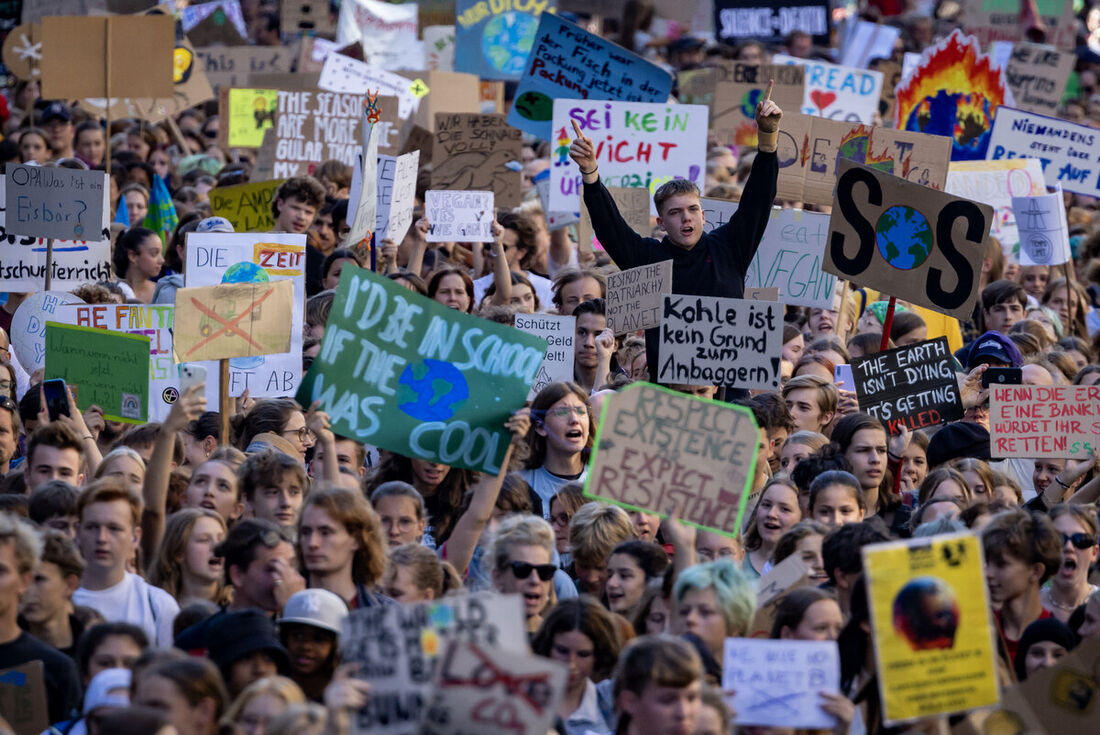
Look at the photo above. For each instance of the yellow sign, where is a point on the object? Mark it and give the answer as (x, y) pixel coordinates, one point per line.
(251, 112)
(932, 632)
(418, 88)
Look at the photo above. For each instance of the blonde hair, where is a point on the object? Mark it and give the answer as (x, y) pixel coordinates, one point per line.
(120, 451)
(276, 686)
(520, 530)
(298, 719)
(24, 540)
(166, 569)
(595, 530)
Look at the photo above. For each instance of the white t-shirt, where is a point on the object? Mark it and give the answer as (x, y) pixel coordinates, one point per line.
(134, 601)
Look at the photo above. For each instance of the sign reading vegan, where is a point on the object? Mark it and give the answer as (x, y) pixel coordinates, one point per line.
(906, 240)
(1061, 421)
(60, 203)
(931, 629)
(106, 369)
(246, 206)
(406, 373)
(567, 62)
(459, 216)
(492, 39)
(777, 682)
(657, 449)
(771, 21)
(473, 151)
(635, 297)
(1070, 153)
(913, 386)
(709, 340)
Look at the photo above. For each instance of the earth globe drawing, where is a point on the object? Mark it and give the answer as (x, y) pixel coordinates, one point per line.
(506, 42)
(246, 272)
(904, 237)
(749, 101)
(431, 390)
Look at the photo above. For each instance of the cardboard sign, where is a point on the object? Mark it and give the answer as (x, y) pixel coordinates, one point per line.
(459, 216)
(155, 322)
(559, 220)
(233, 66)
(28, 326)
(248, 114)
(439, 48)
(906, 240)
(838, 92)
(999, 20)
(709, 340)
(23, 698)
(105, 369)
(931, 629)
(785, 577)
(637, 144)
(492, 40)
(401, 196)
(312, 127)
(865, 41)
(140, 49)
(388, 353)
(810, 148)
(635, 297)
(559, 333)
(1044, 233)
(633, 203)
(657, 449)
(365, 218)
(246, 206)
(996, 183)
(232, 320)
(789, 256)
(215, 22)
(567, 62)
(912, 386)
(387, 33)
(59, 203)
(770, 21)
(777, 681)
(307, 16)
(253, 258)
(731, 91)
(349, 76)
(1069, 152)
(1037, 76)
(520, 689)
(474, 152)
(1060, 421)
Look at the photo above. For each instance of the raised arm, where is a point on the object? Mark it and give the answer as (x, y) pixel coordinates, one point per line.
(502, 274)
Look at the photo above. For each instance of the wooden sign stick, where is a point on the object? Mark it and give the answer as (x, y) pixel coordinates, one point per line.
(223, 398)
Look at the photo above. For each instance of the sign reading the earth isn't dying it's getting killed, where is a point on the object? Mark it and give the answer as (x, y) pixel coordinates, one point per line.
(407, 374)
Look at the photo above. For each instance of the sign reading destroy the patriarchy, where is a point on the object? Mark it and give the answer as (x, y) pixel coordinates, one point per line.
(657, 450)
(709, 340)
(405, 373)
(634, 296)
(913, 386)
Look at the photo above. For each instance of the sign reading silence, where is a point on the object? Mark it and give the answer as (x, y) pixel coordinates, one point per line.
(407, 374)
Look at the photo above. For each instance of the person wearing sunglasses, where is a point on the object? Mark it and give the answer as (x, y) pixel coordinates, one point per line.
(1069, 587)
(522, 554)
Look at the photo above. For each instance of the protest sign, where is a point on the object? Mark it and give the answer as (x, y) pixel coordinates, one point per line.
(635, 297)
(105, 369)
(1037, 76)
(633, 203)
(440, 382)
(306, 17)
(472, 680)
(246, 206)
(567, 62)
(153, 321)
(459, 216)
(232, 320)
(865, 41)
(709, 340)
(248, 114)
(1000, 20)
(559, 333)
(785, 577)
(401, 195)
(810, 147)
(1044, 233)
(907, 240)
(233, 66)
(931, 629)
(22, 50)
(493, 39)
(23, 698)
(311, 127)
(838, 92)
(442, 92)
(636, 144)
(1060, 421)
(57, 203)
(215, 22)
(891, 77)
(770, 21)
(387, 33)
(912, 386)
(439, 47)
(254, 258)
(346, 75)
(28, 326)
(657, 449)
(365, 218)
(789, 256)
(558, 220)
(398, 648)
(996, 183)
(777, 682)
(732, 89)
(474, 151)
(1068, 151)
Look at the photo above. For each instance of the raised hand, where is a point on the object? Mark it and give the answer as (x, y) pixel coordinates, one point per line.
(767, 112)
(583, 152)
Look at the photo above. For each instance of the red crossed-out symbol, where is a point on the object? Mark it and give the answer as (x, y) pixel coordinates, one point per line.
(230, 326)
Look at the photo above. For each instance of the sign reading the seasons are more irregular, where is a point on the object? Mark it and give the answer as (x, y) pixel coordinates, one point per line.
(657, 449)
(311, 127)
(407, 374)
(907, 240)
(493, 38)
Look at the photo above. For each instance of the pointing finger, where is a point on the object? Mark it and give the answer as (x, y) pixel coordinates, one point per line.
(767, 94)
(577, 129)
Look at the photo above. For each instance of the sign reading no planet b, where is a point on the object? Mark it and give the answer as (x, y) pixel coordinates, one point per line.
(61, 203)
(913, 386)
(407, 374)
(907, 240)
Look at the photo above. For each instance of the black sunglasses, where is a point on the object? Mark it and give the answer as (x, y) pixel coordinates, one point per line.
(1080, 540)
(522, 570)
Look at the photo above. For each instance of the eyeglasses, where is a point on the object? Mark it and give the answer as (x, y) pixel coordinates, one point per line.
(1079, 540)
(564, 412)
(303, 434)
(522, 570)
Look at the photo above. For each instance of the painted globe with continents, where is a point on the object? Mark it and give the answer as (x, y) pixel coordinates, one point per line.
(507, 40)
(749, 100)
(246, 272)
(904, 237)
(431, 390)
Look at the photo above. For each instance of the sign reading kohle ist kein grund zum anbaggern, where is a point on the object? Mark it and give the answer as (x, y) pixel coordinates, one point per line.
(1070, 153)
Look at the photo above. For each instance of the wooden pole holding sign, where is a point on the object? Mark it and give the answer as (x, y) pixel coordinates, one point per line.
(107, 104)
(49, 262)
(223, 398)
(887, 324)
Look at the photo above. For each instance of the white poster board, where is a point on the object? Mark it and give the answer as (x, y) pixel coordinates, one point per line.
(344, 74)
(838, 92)
(459, 216)
(1044, 233)
(634, 296)
(559, 333)
(777, 682)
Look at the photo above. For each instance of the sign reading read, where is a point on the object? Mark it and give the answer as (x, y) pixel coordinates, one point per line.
(906, 240)
(559, 333)
(1069, 152)
(459, 216)
(635, 296)
(61, 203)
(106, 369)
(777, 682)
(913, 386)
(657, 449)
(838, 92)
(1061, 421)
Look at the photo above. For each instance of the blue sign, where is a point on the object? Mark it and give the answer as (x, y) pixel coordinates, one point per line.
(492, 40)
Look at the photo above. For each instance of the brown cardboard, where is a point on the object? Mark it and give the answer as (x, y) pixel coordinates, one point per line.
(470, 152)
(307, 16)
(19, 54)
(448, 91)
(233, 66)
(23, 698)
(215, 30)
(734, 83)
(291, 82)
(1037, 76)
(786, 576)
(633, 204)
(233, 320)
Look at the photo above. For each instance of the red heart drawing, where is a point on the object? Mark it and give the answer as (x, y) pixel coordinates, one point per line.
(822, 99)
